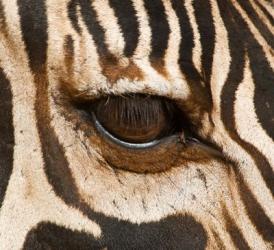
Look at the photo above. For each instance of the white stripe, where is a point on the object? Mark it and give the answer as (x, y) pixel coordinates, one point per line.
(106, 17)
(268, 6)
(197, 50)
(144, 44)
(251, 131)
(221, 60)
(262, 16)
(177, 81)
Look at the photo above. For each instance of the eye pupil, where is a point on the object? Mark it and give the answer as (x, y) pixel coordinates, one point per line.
(138, 118)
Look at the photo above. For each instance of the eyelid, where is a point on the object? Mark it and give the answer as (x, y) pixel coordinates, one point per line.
(89, 93)
(128, 145)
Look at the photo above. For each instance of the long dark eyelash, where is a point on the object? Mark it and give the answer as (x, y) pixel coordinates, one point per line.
(136, 110)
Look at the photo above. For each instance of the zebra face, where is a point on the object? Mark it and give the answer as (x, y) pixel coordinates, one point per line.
(141, 124)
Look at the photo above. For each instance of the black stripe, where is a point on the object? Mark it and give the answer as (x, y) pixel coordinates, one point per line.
(235, 77)
(128, 22)
(255, 212)
(6, 134)
(234, 232)
(56, 164)
(261, 162)
(204, 19)
(173, 232)
(264, 10)
(34, 30)
(218, 241)
(3, 23)
(200, 94)
(258, 23)
(72, 15)
(240, 38)
(202, 10)
(159, 28)
(94, 28)
(50, 236)
(262, 74)
(187, 41)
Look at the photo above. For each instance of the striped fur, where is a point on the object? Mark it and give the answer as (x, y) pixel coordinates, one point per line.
(214, 57)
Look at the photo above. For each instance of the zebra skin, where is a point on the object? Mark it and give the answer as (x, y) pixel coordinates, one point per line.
(136, 124)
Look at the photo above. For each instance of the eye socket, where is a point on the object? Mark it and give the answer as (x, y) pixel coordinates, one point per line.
(138, 118)
(140, 133)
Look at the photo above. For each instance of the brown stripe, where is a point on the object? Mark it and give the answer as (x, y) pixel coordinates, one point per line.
(69, 54)
(218, 240)
(159, 66)
(114, 70)
(234, 232)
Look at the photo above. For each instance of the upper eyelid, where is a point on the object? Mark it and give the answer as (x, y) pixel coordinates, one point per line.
(92, 91)
(87, 96)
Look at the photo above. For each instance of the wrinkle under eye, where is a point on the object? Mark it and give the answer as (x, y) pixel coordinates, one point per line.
(138, 118)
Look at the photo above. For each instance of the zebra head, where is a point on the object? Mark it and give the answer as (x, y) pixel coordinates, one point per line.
(136, 124)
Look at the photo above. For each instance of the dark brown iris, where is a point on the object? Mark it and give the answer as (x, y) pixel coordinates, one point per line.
(137, 118)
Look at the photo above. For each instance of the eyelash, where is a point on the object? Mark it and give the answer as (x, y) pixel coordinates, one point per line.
(128, 145)
(136, 120)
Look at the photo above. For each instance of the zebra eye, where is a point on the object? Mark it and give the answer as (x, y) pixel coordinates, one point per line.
(140, 133)
(137, 119)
